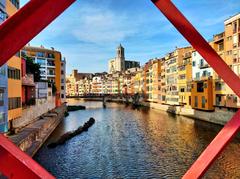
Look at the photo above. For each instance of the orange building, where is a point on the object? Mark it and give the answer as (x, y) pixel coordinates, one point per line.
(185, 79)
(156, 78)
(14, 76)
(201, 94)
(50, 61)
(227, 45)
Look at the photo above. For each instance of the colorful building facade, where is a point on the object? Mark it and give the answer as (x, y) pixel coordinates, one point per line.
(52, 67)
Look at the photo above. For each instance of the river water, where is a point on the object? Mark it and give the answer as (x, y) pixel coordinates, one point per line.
(127, 143)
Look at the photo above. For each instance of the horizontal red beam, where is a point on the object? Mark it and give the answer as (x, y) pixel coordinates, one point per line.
(201, 165)
(15, 164)
(29, 21)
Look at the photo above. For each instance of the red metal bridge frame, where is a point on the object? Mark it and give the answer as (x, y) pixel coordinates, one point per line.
(37, 14)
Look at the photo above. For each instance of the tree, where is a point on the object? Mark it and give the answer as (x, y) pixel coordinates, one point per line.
(33, 68)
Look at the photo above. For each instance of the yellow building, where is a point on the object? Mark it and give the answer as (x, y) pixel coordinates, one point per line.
(185, 79)
(172, 61)
(156, 79)
(163, 83)
(14, 76)
(149, 81)
(137, 82)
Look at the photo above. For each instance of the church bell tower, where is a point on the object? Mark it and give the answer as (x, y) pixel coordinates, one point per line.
(120, 59)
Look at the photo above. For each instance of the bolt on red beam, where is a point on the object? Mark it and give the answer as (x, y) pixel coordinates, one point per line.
(201, 165)
(15, 164)
(29, 21)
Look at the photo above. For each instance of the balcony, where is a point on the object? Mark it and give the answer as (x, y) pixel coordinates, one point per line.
(219, 37)
(187, 55)
(51, 64)
(50, 56)
(28, 80)
(51, 74)
(203, 65)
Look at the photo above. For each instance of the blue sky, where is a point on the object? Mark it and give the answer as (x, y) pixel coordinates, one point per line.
(88, 32)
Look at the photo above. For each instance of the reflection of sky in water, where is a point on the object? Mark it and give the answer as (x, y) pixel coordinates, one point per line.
(126, 143)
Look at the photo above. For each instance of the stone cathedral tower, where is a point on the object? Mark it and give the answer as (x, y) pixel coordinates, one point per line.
(120, 59)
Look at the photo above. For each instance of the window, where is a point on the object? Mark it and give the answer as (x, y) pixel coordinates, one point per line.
(51, 72)
(196, 102)
(229, 52)
(221, 46)
(203, 101)
(62, 87)
(14, 103)
(3, 16)
(193, 63)
(40, 54)
(234, 27)
(219, 86)
(15, 3)
(62, 72)
(50, 55)
(204, 73)
(62, 96)
(41, 61)
(13, 73)
(200, 87)
(198, 75)
(2, 71)
(3, 118)
(181, 77)
(1, 97)
(201, 62)
(229, 38)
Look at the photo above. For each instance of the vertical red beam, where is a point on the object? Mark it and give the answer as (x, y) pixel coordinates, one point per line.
(208, 53)
(16, 164)
(30, 20)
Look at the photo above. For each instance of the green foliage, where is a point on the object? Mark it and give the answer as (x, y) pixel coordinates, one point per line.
(32, 68)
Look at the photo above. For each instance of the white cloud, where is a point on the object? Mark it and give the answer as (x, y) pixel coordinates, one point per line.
(102, 26)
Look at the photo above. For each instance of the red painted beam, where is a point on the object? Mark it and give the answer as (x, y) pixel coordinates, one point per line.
(208, 156)
(29, 21)
(201, 165)
(15, 164)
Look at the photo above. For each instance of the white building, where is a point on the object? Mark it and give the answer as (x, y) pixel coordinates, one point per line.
(200, 68)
